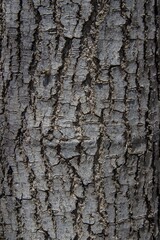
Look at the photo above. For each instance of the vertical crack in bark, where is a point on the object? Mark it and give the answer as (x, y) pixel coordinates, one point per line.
(77, 212)
(157, 64)
(20, 224)
(90, 232)
(10, 177)
(59, 76)
(145, 34)
(78, 16)
(157, 44)
(88, 24)
(77, 220)
(99, 178)
(117, 187)
(1, 26)
(149, 121)
(56, 19)
(48, 179)
(36, 39)
(20, 133)
(151, 216)
(138, 88)
(136, 178)
(19, 44)
(111, 90)
(127, 131)
(149, 148)
(37, 204)
(34, 61)
(4, 85)
(78, 125)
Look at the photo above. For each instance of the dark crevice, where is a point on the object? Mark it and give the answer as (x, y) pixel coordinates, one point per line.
(77, 216)
(46, 234)
(78, 114)
(34, 195)
(57, 39)
(31, 88)
(117, 186)
(47, 78)
(97, 67)
(137, 173)
(90, 232)
(87, 26)
(158, 194)
(79, 149)
(149, 214)
(18, 206)
(157, 43)
(87, 81)
(54, 3)
(138, 88)
(157, 65)
(97, 154)
(148, 128)
(78, 15)
(58, 148)
(10, 178)
(19, 45)
(34, 61)
(48, 169)
(1, 27)
(65, 52)
(97, 173)
(60, 74)
(77, 123)
(111, 89)
(76, 237)
(10, 171)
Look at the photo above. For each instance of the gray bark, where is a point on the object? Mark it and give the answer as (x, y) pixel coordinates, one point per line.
(79, 120)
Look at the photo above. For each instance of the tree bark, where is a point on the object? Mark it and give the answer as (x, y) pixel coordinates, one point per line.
(79, 120)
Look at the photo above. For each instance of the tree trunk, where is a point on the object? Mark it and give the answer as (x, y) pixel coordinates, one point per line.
(79, 120)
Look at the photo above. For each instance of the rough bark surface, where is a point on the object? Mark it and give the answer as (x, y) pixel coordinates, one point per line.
(79, 120)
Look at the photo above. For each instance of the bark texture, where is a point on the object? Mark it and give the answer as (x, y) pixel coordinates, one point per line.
(79, 120)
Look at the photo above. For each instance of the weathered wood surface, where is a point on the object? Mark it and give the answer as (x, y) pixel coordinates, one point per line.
(79, 120)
